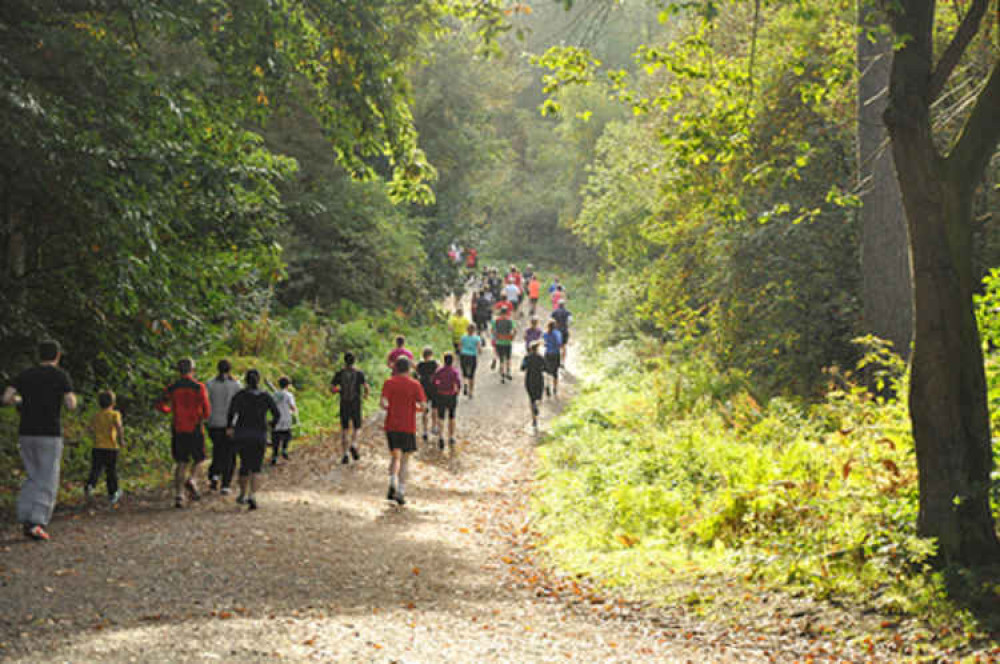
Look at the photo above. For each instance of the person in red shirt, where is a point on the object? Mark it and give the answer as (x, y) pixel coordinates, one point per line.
(187, 399)
(402, 399)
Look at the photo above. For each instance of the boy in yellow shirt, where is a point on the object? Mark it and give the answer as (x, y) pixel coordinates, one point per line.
(109, 436)
(458, 323)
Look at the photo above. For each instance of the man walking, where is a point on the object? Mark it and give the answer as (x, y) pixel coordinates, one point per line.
(41, 391)
(188, 400)
(402, 399)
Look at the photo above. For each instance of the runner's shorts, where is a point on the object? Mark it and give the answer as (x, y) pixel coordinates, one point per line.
(565, 336)
(552, 363)
(446, 404)
(503, 351)
(468, 363)
(188, 446)
(398, 440)
(251, 453)
(350, 413)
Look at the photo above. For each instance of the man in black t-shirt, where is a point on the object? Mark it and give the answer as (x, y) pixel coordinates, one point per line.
(41, 392)
(352, 386)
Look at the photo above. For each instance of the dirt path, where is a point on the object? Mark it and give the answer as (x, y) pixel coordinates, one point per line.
(325, 571)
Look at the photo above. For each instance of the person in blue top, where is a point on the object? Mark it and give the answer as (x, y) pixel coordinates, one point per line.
(553, 354)
(468, 357)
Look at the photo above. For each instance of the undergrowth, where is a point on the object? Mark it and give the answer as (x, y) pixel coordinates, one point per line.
(298, 343)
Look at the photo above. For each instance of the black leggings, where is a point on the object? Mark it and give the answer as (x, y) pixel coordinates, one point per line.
(106, 460)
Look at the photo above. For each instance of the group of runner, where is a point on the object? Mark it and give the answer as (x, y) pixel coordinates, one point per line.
(240, 416)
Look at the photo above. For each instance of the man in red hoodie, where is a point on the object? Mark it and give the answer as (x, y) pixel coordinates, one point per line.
(187, 399)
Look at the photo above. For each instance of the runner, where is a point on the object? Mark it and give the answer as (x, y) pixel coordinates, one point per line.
(512, 292)
(533, 366)
(281, 436)
(553, 353)
(534, 291)
(402, 399)
(529, 273)
(471, 259)
(503, 305)
(40, 392)
(247, 425)
(399, 351)
(468, 357)
(484, 311)
(503, 339)
(558, 297)
(563, 317)
(425, 374)
(109, 436)
(352, 386)
(187, 399)
(221, 390)
(446, 386)
(531, 334)
(458, 322)
(495, 284)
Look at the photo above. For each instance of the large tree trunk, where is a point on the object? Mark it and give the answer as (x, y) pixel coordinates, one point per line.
(886, 290)
(948, 405)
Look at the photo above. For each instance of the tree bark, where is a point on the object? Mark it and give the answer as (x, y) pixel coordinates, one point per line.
(948, 404)
(886, 290)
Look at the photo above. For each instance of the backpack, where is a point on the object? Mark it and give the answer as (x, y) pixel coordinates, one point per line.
(349, 388)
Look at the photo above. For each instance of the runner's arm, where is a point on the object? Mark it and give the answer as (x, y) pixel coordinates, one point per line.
(69, 399)
(9, 396)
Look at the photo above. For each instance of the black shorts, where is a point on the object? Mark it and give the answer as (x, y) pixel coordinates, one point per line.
(279, 437)
(446, 404)
(186, 447)
(251, 453)
(565, 335)
(469, 363)
(503, 352)
(552, 361)
(350, 413)
(402, 441)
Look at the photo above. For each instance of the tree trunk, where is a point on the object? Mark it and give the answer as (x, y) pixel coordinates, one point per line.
(886, 290)
(948, 406)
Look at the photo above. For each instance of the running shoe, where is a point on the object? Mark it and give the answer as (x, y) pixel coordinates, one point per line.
(252, 503)
(192, 489)
(440, 443)
(36, 533)
(274, 461)
(213, 483)
(451, 443)
(115, 497)
(284, 455)
(391, 495)
(241, 499)
(225, 491)
(400, 499)
(344, 460)
(355, 453)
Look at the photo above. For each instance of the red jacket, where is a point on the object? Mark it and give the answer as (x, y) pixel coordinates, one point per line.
(187, 399)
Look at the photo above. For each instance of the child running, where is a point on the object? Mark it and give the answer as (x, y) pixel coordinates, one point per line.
(402, 399)
(247, 425)
(533, 366)
(447, 383)
(553, 354)
(287, 409)
(425, 374)
(109, 436)
(503, 339)
(468, 358)
(352, 386)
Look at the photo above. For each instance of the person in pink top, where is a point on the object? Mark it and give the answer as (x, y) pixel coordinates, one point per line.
(447, 384)
(399, 351)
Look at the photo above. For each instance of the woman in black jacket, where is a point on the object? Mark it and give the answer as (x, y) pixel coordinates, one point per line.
(247, 427)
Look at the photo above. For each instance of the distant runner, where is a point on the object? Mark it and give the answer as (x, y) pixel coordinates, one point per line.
(533, 366)
(221, 390)
(402, 399)
(553, 353)
(447, 383)
(425, 374)
(399, 351)
(503, 338)
(281, 436)
(247, 424)
(563, 317)
(532, 334)
(484, 311)
(458, 322)
(534, 292)
(470, 345)
(187, 399)
(352, 386)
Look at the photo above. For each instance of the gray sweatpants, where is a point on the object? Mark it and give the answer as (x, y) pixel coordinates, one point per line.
(42, 456)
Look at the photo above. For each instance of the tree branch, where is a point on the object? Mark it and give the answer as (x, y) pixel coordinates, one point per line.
(953, 54)
(981, 133)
